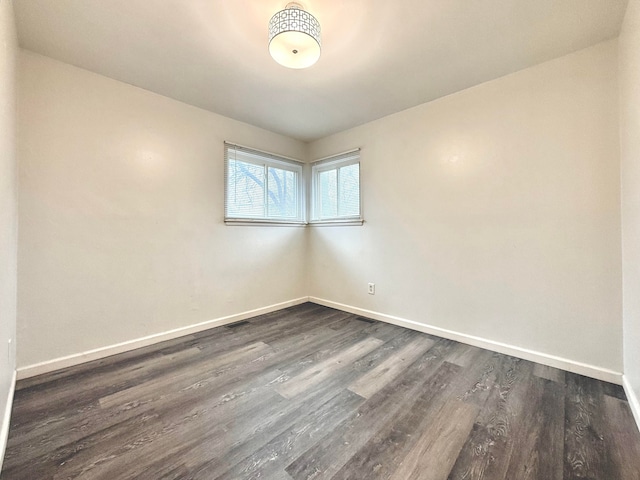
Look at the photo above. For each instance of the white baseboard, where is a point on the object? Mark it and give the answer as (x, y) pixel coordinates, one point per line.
(6, 419)
(107, 351)
(526, 354)
(531, 355)
(634, 402)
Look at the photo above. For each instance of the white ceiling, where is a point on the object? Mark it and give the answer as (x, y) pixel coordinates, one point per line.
(378, 56)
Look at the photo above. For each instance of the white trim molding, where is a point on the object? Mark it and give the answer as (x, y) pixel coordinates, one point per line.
(573, 366)
(6, 419)
(109, 350)
(634, 402)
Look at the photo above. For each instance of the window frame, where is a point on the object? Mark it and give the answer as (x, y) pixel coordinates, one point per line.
(335, 162)
(265, 159)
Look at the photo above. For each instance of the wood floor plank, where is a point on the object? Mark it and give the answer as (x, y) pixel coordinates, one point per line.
(487, 451)
(319, 372)
(272, 458)
(34, 405)
(208, 427)
(475, 382)
(308, 401)
(328, 346)
(391, 445)
(202, 379)
(625, 438)
(549, 444)
(184, 379)
(310, 392)
(550, 373)
(170, 401)
(381, 455)
(384, 373)
(537, 451)
(78, 418)
(587, 453)
(465, 355)
(90, 370)
(385, 331)
(328, 456)
(612, 390)
(372, 360)
(439, 444)
(318, 335)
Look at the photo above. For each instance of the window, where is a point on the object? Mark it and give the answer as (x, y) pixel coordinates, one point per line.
(261, 187)
(336, 189)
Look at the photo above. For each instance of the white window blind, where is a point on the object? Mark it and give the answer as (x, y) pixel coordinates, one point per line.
(336, 188)
(261, 187)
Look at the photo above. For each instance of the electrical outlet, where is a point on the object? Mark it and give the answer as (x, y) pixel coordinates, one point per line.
(372, 289)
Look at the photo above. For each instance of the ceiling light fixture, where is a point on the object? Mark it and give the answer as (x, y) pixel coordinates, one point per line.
(294, 37)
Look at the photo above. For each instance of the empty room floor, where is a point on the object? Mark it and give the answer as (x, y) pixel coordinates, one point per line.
(314, 393)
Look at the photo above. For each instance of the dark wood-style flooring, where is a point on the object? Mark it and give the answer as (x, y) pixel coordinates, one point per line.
(315, 393)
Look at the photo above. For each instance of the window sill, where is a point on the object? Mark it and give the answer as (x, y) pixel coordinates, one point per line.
(337, 223)
(263, 223)
(296, 223)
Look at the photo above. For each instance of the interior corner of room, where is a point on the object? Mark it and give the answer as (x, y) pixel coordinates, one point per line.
(504, 215)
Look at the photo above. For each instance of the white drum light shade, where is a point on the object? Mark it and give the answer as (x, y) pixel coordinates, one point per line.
(294, 37)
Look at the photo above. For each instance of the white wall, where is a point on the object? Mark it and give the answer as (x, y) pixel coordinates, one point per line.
(630, 174)
(121, 208)
(493, 212)
(8, 208)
